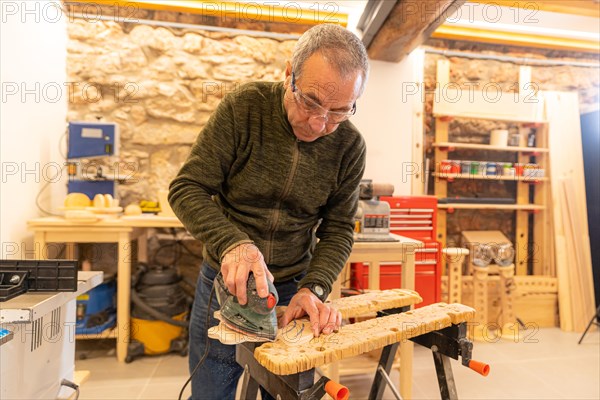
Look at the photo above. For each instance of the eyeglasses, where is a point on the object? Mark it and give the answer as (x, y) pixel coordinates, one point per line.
(313, 108)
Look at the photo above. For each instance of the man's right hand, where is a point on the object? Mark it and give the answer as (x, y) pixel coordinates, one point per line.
(237, 265)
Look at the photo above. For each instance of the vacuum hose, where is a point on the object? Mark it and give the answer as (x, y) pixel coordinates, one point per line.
(155, 313)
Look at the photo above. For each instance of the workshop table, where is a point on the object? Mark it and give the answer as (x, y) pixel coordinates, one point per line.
(121, 231)
(124, 230)
(375, 253)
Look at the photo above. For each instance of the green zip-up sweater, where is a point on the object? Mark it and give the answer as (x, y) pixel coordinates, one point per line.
(248, 179)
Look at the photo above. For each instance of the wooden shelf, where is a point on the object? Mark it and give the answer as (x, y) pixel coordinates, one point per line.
(106, 334)
(487, 206)
(490, 117)
(472, 146)
(524, 108)
(528, 179)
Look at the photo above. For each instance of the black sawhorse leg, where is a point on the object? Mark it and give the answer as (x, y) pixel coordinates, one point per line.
(299, 386)
(445, 343)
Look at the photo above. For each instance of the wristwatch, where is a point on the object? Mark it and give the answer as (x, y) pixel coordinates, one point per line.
(317, 290)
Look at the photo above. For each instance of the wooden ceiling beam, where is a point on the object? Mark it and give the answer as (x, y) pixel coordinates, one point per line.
(408, 25)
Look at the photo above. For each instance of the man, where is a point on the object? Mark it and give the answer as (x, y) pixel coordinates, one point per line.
(276, 167)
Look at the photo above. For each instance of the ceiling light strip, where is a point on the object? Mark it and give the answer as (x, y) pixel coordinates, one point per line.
(179, 25)
(311, 13)
(516, 39)
(511, 59)
(586, 8)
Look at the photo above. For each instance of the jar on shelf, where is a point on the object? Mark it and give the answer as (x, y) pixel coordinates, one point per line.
(475, 168)
(523, 136)
(482, 167)
(491, 169)
(445, 166)
(532, 171)
(465, 167)
(531, 138)
(519, 169)
(514, 138)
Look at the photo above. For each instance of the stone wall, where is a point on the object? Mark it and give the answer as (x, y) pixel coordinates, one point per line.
(160, 85)
(476, 73)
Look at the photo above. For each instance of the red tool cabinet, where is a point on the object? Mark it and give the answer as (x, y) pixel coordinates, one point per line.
(414, 217)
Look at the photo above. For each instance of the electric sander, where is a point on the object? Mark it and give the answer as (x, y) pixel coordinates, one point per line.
(256, 320)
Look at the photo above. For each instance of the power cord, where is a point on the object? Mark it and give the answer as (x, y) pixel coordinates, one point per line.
(37, 198)
(72, 385)
(207, 343)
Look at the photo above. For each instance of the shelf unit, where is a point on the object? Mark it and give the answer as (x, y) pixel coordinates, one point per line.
(513, 108)
(456, 145)
(528, 179)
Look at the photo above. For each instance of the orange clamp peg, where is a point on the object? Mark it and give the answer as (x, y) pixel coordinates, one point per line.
(337, 391)
(479, 367)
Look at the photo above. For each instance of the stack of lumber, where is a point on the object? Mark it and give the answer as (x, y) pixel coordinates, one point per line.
(296, 350)
(570, 226)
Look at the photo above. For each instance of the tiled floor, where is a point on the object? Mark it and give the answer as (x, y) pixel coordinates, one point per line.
(546, 364)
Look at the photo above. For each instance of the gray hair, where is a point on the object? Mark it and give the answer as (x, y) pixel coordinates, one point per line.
(343, 49)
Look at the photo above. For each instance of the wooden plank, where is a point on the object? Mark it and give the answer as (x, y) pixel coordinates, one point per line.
(376, 300)
(473, 146)
(522, 246)
(443, 72)
(541, 221)
(454, 256)
(296, 350)
(535, 299)
(482, 206)
(581, 270)
(419, 179)
(566, 163)
(527, 179)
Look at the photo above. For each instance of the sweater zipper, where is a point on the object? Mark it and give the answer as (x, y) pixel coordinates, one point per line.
(286, 191)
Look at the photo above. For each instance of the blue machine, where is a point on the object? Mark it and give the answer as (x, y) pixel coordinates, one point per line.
(96, 309)
(92, 187)
(91, 140)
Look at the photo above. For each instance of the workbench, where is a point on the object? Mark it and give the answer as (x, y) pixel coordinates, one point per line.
(124, 230)
(375, 253)
(121, 231)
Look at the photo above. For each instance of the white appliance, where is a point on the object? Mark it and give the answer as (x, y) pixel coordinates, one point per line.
(38, 351)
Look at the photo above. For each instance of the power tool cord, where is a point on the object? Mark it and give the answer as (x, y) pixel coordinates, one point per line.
(207, 343)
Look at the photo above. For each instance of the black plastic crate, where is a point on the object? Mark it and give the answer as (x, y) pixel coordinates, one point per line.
(42, 275)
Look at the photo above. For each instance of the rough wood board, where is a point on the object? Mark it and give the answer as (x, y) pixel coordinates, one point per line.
(566, 162)
(295, 350)
(371, 302)
(582, 279)
(354, 306)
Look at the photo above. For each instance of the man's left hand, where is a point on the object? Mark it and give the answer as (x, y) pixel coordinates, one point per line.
(323, 317)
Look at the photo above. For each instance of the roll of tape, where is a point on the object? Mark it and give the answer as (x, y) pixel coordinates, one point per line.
(499, 137)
